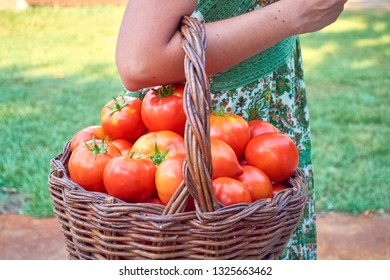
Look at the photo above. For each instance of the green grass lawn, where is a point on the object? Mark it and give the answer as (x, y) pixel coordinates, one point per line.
(57, 70)
(348, 77)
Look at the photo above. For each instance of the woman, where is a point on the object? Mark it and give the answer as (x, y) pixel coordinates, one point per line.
(252, 53)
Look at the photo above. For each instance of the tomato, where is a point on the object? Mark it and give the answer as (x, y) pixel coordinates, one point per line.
(159, 145)
(273, 153)
(169, 177)
(162, 109)
(190, 206)
(232, 129)
(121, 118)
(224, 160)
(130, 179)
(86, 134)
(242, 161)
(87, 162)
(259, 127)
(229, 191)
(123, 145)
(257, 182)
(277, 188)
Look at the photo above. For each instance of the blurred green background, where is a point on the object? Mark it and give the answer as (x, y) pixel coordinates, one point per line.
(57, 70)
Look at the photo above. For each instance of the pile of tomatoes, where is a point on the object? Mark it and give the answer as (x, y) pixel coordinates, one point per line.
(136, 154)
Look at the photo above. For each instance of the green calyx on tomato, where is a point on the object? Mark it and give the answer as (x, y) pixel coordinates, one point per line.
(221, 113)
(164, 91)
(131, 155)
(87, 162)
(158, 157)
(118, 105)
(97, 149)
(162, 109)
(171, 143)
(87, 134)
(121, 118)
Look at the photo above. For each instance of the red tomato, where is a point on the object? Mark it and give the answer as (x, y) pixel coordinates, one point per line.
(130, 179)
(162, 109)
(86, 134)
(257, 182)
(121, 118)
(123, 145)
(273, 153)
(258, 127)
(242, 161)
(169, 177)
(190, 204)
(224, 160)
(169, 144)
(229, 191)
(87, 162)
(277, 188)
(232, 129)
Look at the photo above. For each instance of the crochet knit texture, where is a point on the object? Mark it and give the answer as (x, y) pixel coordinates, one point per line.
(257, 66)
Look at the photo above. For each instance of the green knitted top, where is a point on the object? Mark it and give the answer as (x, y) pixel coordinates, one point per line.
(256, 66)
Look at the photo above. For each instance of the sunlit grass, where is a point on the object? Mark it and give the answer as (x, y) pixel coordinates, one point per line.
(56, 71)
(348, 79)
(315, 56)
(343, 24)
(383, 40)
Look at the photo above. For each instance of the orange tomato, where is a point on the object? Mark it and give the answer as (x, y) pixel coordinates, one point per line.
(168, 178)
(257, 182)
(229, 191)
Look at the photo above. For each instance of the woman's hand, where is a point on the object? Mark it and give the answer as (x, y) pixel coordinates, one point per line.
(313, 15)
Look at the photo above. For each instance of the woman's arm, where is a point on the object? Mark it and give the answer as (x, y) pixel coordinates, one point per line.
(149, 49)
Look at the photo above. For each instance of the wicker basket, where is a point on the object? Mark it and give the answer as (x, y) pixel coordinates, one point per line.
(98, 226)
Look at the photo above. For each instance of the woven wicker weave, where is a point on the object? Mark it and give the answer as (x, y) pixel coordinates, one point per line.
(98, 226)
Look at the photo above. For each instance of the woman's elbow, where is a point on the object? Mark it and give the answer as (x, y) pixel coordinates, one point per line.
(142, 68)
(133, 74)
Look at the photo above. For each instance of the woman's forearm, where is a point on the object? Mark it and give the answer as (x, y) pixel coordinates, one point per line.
(233, 40)
(149, 43)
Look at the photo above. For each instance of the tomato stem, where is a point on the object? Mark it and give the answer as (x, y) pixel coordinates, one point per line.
(222, 112)
(119, 105)
(131, 155)
(158, 156)
(97, 149)
(164, 91)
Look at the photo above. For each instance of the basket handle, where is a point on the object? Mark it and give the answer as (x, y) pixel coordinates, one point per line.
(197, 167)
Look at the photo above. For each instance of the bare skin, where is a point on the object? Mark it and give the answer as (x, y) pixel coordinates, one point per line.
(149, 49)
